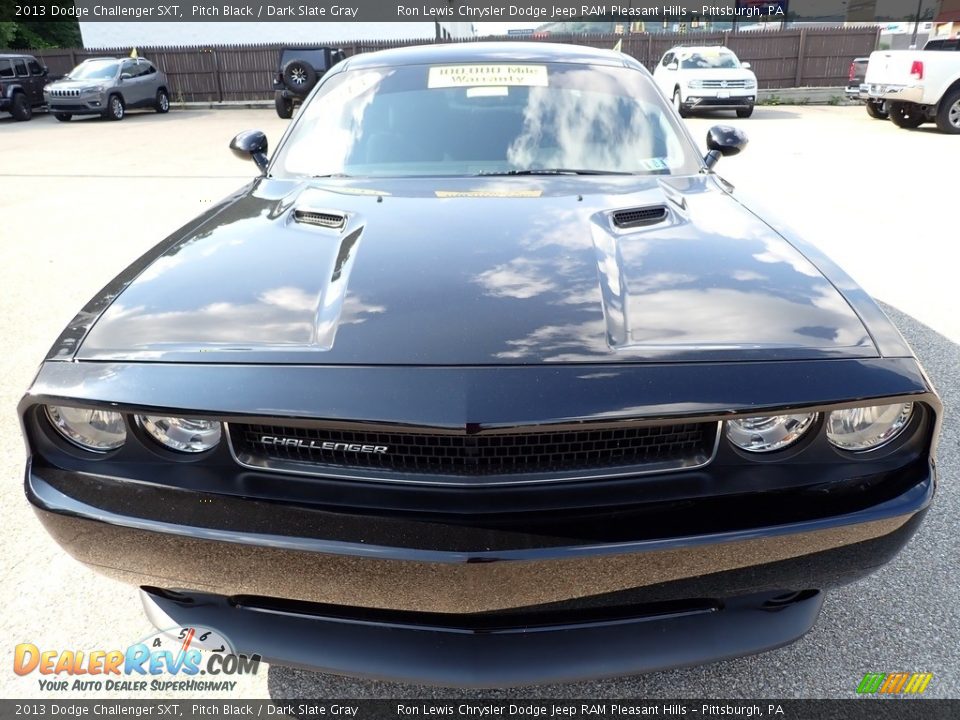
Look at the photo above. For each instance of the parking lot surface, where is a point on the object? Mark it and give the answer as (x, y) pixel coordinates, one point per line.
(80, 201)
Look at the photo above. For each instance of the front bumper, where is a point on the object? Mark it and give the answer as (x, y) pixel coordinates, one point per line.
(90, 105)
(535, 613)
(714, 102)
(506, 656)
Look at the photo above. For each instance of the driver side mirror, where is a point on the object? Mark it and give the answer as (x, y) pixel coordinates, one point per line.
(46, 71)
(673, 66)
(251, 145)
(723, 141)
(745, 65)
(125, 76)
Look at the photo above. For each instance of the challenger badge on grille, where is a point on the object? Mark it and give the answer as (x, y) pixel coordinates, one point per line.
(322, 445)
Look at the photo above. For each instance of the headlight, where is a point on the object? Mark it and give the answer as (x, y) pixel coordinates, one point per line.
(750, 83)
(94, 430)
(695, 84)
(866, 428)
(92, 88)
(766, 433)
(190, 435)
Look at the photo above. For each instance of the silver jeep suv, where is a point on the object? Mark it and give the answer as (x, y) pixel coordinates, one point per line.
(108, 87)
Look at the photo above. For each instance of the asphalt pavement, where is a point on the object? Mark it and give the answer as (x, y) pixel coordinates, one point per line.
(79, 201)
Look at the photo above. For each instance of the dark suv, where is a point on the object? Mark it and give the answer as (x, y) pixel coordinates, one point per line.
(22, 78)
(298, 71)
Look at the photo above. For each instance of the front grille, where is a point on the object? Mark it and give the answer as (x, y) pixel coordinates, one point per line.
(724, 83)
(418, 455)
(65, 93)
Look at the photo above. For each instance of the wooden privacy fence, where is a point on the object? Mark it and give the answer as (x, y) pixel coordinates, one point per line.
(796, 57)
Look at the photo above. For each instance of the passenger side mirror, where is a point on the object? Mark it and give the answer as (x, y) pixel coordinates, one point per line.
(745, 66)
(251, 145)
(723, 141)
(46, 71)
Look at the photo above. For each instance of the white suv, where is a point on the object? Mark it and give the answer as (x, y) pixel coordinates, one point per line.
(709, 78)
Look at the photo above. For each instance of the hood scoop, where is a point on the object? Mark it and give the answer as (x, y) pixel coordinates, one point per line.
(639, 217)
(322, 218)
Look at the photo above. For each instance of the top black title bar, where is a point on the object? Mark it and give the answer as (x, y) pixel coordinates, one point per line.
(626, 11)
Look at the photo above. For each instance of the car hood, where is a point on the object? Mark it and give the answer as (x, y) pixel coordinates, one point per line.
(475, 271)
(70, 84)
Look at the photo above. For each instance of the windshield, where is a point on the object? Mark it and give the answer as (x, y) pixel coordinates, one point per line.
(99, 70)
(948, 44)
(485, 119)
(712, 60)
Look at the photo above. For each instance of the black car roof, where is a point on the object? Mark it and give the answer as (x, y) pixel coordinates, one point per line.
(490, 52)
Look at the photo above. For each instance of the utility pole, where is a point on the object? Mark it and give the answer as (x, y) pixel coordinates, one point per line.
(916, 26)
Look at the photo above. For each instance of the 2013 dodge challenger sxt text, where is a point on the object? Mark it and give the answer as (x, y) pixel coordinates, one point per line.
(487, 380)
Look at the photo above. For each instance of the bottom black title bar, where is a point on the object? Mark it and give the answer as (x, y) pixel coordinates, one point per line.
(538, 709)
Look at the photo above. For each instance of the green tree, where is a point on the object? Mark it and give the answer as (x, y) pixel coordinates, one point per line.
(50, 34)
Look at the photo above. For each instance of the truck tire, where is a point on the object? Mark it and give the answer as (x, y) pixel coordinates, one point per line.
(906, 115)
(948, 113)
(299, 76)
(877, 109)
(20, 107)
(284, 106)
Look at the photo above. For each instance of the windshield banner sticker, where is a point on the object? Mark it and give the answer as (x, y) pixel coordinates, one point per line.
(447, 76)
(488, 193)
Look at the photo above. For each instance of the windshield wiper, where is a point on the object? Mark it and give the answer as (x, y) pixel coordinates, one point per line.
(332, 175)
(555, 171)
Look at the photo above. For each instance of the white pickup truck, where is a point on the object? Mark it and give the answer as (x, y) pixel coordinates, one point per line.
(919, 85)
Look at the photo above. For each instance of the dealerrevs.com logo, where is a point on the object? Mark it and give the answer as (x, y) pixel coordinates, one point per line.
(188, 659)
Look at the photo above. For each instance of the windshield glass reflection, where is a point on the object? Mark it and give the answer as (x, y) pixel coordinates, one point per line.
(500, 119)
(97, 70)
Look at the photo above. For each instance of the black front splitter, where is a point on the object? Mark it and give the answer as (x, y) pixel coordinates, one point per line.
(452, 656)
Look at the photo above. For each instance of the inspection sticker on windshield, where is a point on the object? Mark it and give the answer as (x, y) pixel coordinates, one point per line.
(447, 76)
(654, 164)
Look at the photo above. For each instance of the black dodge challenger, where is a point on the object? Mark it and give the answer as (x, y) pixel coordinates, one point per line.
(487, 380)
